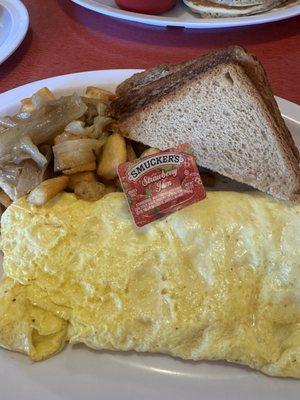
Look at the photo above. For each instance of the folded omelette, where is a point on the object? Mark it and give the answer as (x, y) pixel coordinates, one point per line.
(218, 280)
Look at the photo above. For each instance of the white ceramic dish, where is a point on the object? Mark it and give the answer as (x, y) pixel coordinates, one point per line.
(14, 22)
(79, 373)
(181, 16)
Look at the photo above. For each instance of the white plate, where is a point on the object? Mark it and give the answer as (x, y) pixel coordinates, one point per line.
(180, 15)
(14, 22)
(79, 373)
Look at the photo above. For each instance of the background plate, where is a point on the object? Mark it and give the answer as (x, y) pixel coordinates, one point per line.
(14, 22)
(79, 373)
(182, 16)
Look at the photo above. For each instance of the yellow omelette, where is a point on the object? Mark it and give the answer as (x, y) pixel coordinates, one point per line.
(217, 280)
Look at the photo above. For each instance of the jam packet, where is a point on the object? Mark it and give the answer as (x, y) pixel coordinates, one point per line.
(161, 183)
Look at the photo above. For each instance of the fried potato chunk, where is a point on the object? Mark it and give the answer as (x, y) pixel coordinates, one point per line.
(114, 153)
(27, 106)
(91, 191)
(47, 190)
(98, 93)
(37, 100)
(87, 176)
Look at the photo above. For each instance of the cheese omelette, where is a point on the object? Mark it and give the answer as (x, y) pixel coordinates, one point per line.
(218, 280)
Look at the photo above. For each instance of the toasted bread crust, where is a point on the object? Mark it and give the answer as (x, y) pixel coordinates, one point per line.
(140, 79)
(143, 78)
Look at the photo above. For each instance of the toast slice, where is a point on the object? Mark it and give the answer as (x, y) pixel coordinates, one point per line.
(221, 104)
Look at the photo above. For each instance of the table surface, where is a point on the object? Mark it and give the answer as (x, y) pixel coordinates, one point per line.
(64, 38)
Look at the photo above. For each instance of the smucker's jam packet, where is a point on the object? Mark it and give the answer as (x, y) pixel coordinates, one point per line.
(159, 184)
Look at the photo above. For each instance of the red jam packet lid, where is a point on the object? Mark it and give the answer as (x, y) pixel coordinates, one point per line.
(160, 184)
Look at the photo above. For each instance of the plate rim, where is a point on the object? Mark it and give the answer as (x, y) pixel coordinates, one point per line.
(206, 23)
(20, 24)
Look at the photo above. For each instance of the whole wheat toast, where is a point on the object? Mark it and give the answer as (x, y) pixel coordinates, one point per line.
(130, 106)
